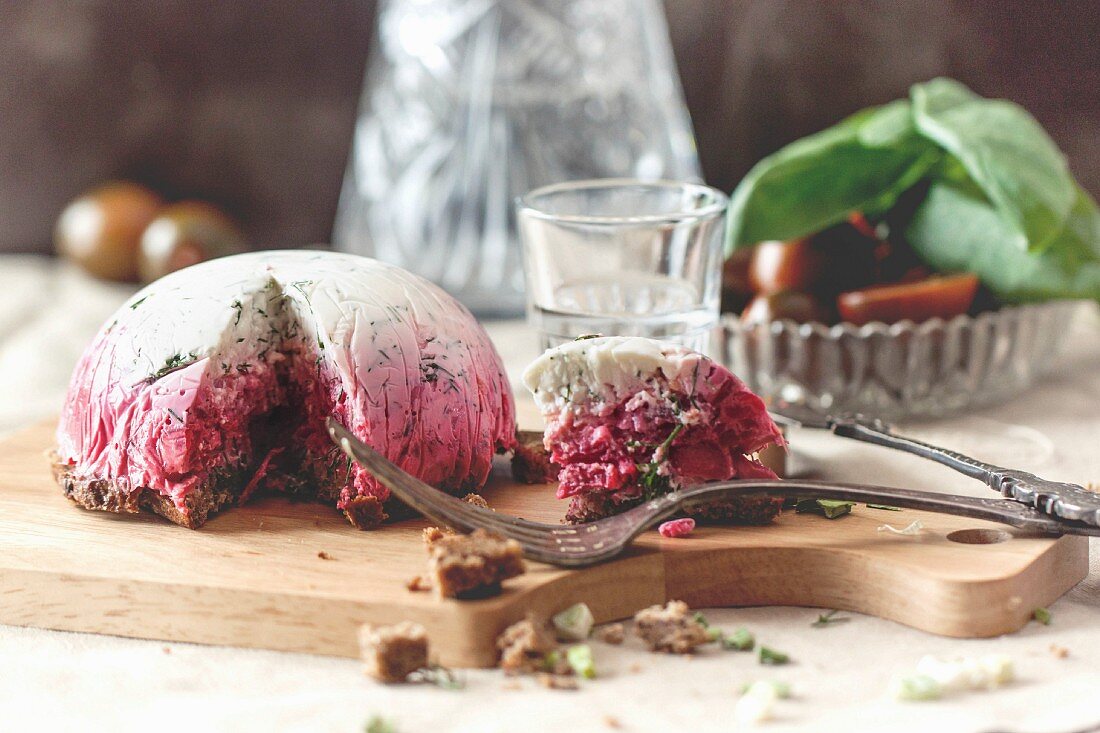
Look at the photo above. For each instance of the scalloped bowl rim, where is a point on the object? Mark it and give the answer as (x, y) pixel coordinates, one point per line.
(731, 322)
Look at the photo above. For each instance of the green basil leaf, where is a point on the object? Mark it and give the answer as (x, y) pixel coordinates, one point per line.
(956, 229)
(861, 164)
(1006, 153)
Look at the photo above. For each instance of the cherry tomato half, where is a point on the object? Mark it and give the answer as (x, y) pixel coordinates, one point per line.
(184, 234)
(936, 297)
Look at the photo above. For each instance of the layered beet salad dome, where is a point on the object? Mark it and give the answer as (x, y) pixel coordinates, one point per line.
(215, 382)
(630, 418)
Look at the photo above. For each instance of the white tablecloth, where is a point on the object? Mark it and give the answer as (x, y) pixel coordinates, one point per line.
(839, 675)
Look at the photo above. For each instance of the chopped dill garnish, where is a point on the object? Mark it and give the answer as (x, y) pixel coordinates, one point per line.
(767, 655)
(172, 363)
(139, 301)
(654, 484)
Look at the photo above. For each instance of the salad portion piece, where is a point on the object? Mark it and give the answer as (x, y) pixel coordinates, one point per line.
(632, 418)
(932, 206)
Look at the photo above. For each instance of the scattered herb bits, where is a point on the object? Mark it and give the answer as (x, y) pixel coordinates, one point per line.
(782, 689)
(757, 704)
(574, 623)
(915, 687)
(884, 507)
(1042, 615)
(830, 617)
(830, 508)
(378, 724)
(772, 657)
(712, 634)
(581, 661)
(740, 640)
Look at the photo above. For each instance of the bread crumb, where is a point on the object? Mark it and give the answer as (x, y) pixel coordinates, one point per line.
(611, 634)
(1059, 651)
(511, 685)
(557, 681)
(525, 645)
(475, 563)
(418, 583)
(166, 649)
(324, 555)
(477, 500)
(612, 722)
(432, 535)
(531, 462)
(392, 653)
(671, 628)
(635, 668)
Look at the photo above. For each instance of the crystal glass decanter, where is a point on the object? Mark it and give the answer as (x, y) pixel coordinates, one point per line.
(469, 103)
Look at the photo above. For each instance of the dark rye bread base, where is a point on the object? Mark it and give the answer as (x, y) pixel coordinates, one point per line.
(741, 510)
(203, 502)
(106, 496)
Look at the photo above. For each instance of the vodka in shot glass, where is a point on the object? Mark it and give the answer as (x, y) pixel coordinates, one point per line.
(623, 257)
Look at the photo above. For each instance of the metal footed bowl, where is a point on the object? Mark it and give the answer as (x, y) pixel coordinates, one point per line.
(901, 370)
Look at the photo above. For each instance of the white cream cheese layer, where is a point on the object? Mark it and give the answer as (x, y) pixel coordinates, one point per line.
(605, 369)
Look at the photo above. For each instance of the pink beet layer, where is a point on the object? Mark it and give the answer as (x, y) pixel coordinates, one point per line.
(706, 426)
(408, 370)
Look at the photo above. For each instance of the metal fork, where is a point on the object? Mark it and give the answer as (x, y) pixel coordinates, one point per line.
(1057, 498)
(587, 544)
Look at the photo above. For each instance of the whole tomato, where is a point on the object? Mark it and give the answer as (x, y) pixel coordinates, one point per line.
(184, 234)
(101, 230)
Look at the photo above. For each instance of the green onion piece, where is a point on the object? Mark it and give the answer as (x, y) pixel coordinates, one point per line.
(1042, 615)
(829, 617)
(834, 508)
(580, 659)
(770, 656)
(916, 687)
(831, 508)
(740, 640)
(551, 660)
(574, 623)
(378, 724)
(782, 689)
(884, 507)
(712, 634)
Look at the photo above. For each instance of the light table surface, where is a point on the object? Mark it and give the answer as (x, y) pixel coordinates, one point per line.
(839, 675)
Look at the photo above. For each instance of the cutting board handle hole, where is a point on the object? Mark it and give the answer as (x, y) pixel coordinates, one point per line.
(979, 536)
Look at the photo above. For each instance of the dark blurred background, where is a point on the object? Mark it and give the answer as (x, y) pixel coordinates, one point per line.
(251, 104)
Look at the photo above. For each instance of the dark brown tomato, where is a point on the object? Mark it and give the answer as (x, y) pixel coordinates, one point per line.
(101, 230)
(736, 289)
(185, 234)
(776, 266)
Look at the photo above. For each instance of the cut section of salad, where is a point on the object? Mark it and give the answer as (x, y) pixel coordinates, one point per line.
(632, 418)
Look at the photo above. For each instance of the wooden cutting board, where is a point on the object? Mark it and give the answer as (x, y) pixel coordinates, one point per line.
(254, 577)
